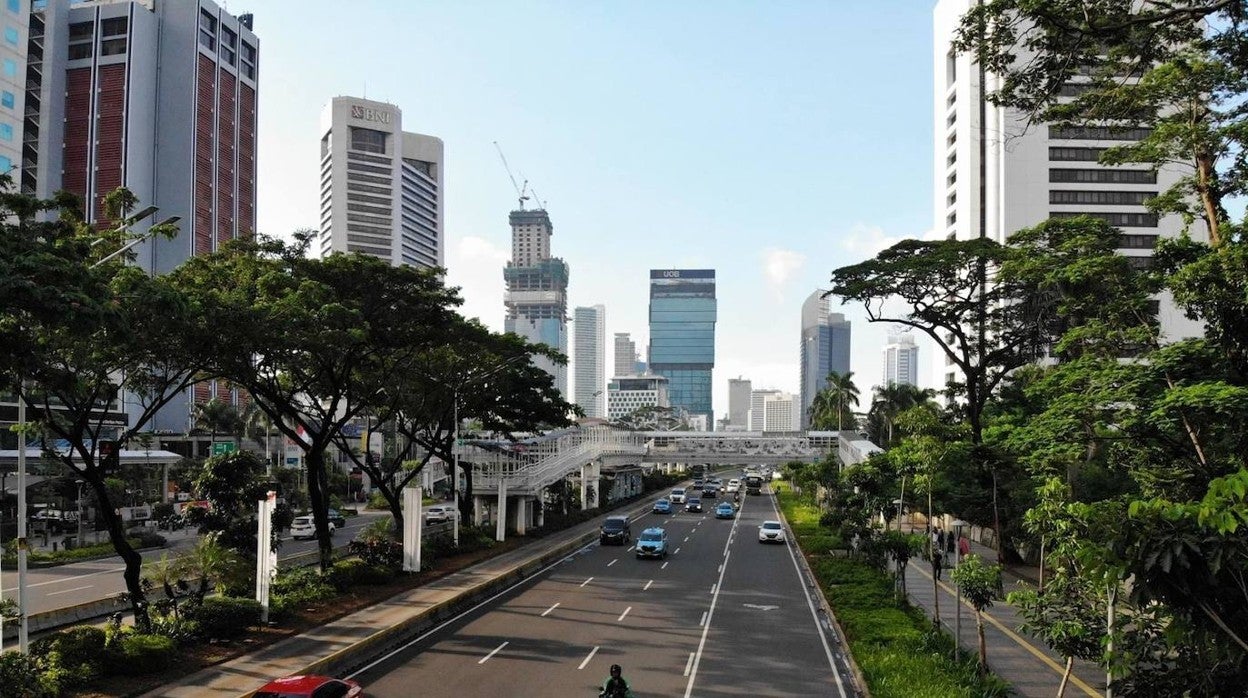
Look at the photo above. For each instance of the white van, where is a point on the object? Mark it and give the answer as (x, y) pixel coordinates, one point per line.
(305, 527)
(677, 496)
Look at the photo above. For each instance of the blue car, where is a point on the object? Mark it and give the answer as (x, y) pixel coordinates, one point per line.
(652, 543)
(725, 510)
(663, 506)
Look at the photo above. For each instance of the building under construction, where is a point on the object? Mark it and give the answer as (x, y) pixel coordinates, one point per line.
(537, 289)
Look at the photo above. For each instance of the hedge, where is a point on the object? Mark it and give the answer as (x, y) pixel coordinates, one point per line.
(224, 617)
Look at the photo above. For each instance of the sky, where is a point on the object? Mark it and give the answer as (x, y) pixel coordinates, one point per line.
(771, 141)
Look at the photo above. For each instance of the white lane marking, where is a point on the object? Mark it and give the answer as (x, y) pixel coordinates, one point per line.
(716, 586)
(617, 620)
(703, 621)
(677, 550)
(647, 587)
(549, 610)
(491, 654)
(692, 673)
(66, 591)
(689, 664)
(686, 540)
(535, 576)
(630, 548)
(613, 562)
(810, 603)
(587, 581)
(586, 660)
(664, 566)
(720, 568)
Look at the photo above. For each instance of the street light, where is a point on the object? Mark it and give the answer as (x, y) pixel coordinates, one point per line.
(80, 483)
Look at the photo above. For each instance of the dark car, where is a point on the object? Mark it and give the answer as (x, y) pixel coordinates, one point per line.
(694, 504)
(337, 519)
(615, 530)
(710, 491)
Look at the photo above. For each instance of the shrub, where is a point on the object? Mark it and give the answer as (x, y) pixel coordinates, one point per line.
(296, 588)
(376, 545)
(224, 617)
(376, 574)
(144, 654)
(345, 574)
(21, 677)
(77, 652)
(149, 539)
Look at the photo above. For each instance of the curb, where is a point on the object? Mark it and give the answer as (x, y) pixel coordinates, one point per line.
(824, 606)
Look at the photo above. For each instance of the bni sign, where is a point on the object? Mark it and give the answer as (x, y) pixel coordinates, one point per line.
(369, 114)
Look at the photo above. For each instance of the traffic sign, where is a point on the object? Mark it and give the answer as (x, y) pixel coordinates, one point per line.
(221, 448)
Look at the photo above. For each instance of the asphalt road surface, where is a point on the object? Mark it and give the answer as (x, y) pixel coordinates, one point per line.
(51, 588)
(723, 616)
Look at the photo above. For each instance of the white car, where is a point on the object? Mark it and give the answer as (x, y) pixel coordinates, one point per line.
(771, 532)
(734, 485)
(305, 527)
(677, 496)
(439, 513)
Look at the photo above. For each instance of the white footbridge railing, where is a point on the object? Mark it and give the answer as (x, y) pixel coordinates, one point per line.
(525, 468)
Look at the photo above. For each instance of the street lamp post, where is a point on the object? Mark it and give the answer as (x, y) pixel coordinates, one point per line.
(957, 534)
(80, 483)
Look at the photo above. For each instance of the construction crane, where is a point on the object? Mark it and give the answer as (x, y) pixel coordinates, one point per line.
(520, 189)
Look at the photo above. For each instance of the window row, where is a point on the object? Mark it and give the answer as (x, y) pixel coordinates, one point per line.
(1103, 175)
(1116, 198)
(1099, 133)
(232, 51)
(1130, 220)
(1075, 154)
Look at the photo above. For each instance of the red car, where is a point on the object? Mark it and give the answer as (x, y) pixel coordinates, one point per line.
(313, 686)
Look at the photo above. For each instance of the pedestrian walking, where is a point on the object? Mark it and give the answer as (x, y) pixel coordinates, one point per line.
(964, 546)
(940, 539)
(950, 544)
(938, 562)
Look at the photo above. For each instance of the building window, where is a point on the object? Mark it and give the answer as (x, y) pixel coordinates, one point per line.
(10, 68)
(81, 40)
(77, 51)
(229, 45)
(8, 100)
(11, 35)
(1103, 175)
(113, 26)
(6, 132)
(1108, 198)
(249, 60)
(207, 30)
(1137, 242)
(368, 140)
(1099, 133)
(951, 218)
(112, 47)
(1130, 220)
(81, 30)
(1140, 263)
(1074, 89)
(1075, 154)
(6, 165)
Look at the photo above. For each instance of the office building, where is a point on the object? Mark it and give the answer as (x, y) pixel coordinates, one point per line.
(627, 394)
(381, 186)
(536, 301)
(782, 412)
(901, 360)
(739, 403)
(158, 97)
(824, 348)
(625, 357)
(682, 336)
(14, 20)
(589, 359)
(758, 412)
(998, 174)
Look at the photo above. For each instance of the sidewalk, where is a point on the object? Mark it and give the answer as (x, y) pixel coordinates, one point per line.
(1030, 666)
(347, 643)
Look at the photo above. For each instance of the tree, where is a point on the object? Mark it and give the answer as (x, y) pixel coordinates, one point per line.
(219, 417)
(497, 383)
(232, 484)
(947, 293)
(315, 341)
(980, 583)
(889, 402)
(844, 393)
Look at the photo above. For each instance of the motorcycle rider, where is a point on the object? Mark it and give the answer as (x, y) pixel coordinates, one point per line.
(615, 686)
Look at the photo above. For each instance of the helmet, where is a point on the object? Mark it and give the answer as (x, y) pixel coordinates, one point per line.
(616, 670)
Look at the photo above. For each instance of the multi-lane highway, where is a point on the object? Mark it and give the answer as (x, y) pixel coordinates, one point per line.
(51, 588)
(723, 616)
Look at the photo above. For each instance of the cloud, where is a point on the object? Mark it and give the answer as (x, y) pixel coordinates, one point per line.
(779, 266)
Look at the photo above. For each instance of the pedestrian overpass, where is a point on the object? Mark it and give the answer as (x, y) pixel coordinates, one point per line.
(508, 477)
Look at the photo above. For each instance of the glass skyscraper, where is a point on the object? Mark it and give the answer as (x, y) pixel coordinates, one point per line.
(682, 336)
(824, 348)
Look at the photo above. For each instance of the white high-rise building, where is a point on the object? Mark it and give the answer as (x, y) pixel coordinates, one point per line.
(739, 390)
(625, 359)
(627, 394)
(782, 412)
(758, 400)
(589, 359)
(1030, 173)
(901, 360)
(381, 187)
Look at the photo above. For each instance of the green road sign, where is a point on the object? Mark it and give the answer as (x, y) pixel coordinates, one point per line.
(220, 448)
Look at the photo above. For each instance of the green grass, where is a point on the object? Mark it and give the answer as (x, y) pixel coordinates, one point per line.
(893, 643)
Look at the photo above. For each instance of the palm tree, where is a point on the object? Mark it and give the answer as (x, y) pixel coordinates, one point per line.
(217, 417)
(843, 394)
(820, 409)
(890, 401)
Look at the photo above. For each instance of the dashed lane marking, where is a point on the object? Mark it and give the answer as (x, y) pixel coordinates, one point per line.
(549, 610)
(486, 658)
(586, 660)
(613, 562)
(587, 581)
(647, 587)
(617, 620)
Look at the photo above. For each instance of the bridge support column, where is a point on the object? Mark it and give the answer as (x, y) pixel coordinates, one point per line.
(522, 515)
(500, 531)
(478, 509)
(586, 470)
(541, 511)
